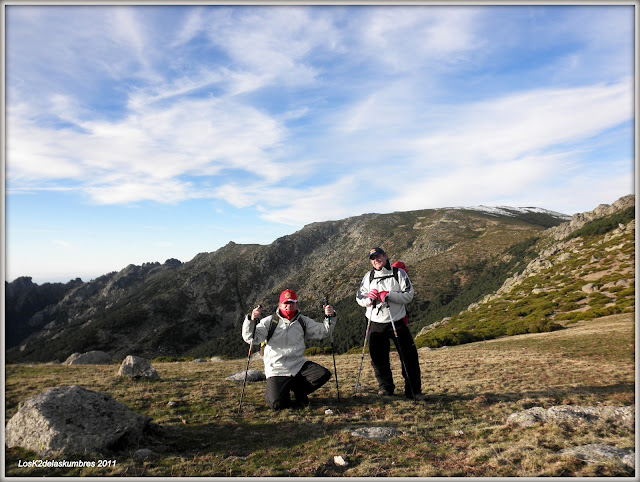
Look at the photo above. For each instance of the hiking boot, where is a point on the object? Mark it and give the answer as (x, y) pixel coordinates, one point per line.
(302, 400)
(384, 393)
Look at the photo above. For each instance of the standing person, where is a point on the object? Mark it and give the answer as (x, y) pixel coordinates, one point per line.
(384, 298)
(285, 367)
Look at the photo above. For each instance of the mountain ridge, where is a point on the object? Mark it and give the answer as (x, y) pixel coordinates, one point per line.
(194, 307)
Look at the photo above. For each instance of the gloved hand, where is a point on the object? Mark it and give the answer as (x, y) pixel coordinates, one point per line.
(329, 311)
(373, 295)
(256, 313)
(383, 295)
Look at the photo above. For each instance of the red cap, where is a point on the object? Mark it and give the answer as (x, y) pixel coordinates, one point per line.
(400, 264)
(288, 295)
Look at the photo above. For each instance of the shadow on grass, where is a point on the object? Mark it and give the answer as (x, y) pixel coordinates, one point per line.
(259, 428)
(617, 394)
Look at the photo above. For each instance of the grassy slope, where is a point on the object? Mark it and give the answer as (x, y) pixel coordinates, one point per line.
(455, 434)
(554, 296)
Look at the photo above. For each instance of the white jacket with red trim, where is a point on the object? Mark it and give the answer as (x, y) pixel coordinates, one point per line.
(400, 293)
(284, 353)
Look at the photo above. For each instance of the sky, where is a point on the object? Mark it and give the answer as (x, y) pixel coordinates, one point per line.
(136, 134)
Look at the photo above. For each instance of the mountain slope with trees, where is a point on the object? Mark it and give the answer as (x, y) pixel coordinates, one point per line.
(455, 256)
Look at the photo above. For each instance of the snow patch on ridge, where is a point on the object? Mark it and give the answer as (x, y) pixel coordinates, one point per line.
(514, 211)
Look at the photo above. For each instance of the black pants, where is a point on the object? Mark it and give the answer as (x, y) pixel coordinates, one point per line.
(311, 377)
(379, 346)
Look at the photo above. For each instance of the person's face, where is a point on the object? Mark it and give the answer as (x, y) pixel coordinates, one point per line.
(379, 261)
(288, 306)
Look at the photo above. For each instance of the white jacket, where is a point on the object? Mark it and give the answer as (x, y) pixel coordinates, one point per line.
(400, 293)
(284, 354)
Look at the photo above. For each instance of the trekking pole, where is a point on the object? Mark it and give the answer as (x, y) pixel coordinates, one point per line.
(404, 366)
(364, 347)
(246, 370)
(333, 351)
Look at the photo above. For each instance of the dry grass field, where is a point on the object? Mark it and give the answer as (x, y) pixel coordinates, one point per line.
(460, 431)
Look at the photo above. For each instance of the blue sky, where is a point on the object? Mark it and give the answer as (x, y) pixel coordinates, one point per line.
(140, 133)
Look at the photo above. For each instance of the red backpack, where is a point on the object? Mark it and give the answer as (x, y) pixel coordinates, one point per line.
(400, 265)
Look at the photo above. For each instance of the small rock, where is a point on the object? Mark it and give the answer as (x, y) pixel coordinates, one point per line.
(252, 376)
(630, 460)
(594, 453)
(143, 455)
(379, 434)
(89, 358)
(137, 367)
(528, 418)
(339, 461)
(328, 411)
(588, 288)
(236, 457)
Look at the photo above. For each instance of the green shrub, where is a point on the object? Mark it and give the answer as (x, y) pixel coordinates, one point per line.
(357, 350)
(317, 350)
(569, 306)
(569, 316)
(627, 292)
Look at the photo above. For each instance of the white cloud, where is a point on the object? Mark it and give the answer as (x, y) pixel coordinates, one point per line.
(474, 184)
(127, 192)
(143, 156)
(296, 207)
(190, 28)
(271, 44)
(522, 126)
(408, 38)
(189, 122)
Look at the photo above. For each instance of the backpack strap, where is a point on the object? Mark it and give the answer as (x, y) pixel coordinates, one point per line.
(303, 324)
(274, 322)
(372, 274)
(272, 327)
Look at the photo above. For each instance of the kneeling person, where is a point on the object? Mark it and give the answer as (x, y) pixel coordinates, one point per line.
(285, 367)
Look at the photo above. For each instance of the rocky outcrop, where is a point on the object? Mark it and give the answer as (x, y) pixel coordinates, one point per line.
(624, 416)
(435, 325)
(72, 420)
(90, 358)
(137, 367)
(578, 220)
